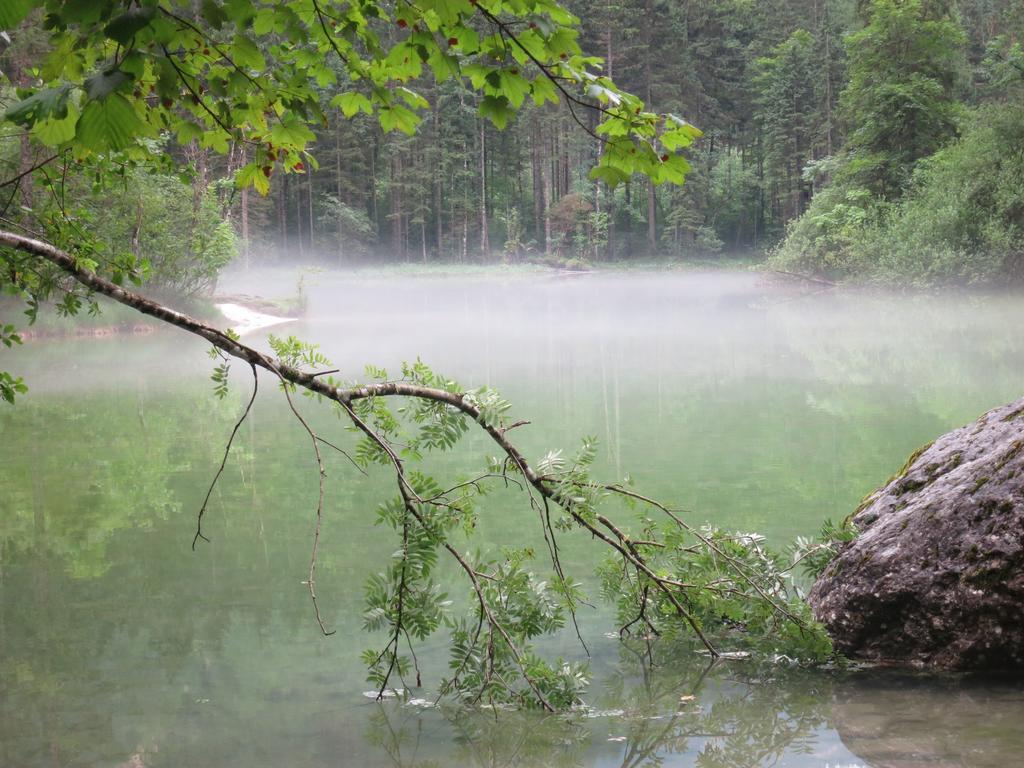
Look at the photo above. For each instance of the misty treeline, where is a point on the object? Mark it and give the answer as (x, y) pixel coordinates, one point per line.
(835, 101)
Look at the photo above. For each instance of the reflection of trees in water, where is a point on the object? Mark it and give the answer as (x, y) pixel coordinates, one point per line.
(481, 738)
(903, 720)
(726, 714)
(85, 504)
(721, 715)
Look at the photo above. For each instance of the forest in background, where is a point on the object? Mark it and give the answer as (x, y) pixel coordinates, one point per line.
(816, 115)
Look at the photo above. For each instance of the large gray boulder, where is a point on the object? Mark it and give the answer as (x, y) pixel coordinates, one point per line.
(936, 576)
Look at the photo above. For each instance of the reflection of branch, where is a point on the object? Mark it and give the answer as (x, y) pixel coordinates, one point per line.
(224, 461)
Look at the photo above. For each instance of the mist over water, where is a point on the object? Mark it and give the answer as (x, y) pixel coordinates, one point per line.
(755, 404)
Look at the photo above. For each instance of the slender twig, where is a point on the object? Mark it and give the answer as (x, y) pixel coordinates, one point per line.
(213, 45)
(322, 475)
(198, 97)
(224, 460)
(740, 568)
(344, 453)
(409, 497)
(23, 174)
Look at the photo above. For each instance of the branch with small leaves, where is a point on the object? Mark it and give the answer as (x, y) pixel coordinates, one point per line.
(667, 578)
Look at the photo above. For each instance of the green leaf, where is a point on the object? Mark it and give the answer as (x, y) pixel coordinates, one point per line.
(263, 22)
(246, 54)
(466, 38)
(56, 131)
(214, 14)
(397, 117)
(544, 90)
(513, 87)
(352, 102)
(673, 170)
(101, 85)
(49, 103)
(451, 10)
(109, 124)
(609, 175)
(252, 175)
(477, 74)
(443, 65)
(496, 109)
(412, 98)
(291, 132)
(187, 131)
(13, 11)
(124, 27)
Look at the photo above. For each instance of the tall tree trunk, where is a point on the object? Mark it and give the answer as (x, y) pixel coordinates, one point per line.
(485, 241)
(652, 199)
(438, 201)
(309, 201)
(298, 220)
(137, 230)
(20, 76)
(340, 225)
(282, 213)
(396, 207)
(245, 226)
(537, 173)
(198, 157)
(545, 207)
(652, 213)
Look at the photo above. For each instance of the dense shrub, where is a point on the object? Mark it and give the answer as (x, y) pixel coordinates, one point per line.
(960, 221)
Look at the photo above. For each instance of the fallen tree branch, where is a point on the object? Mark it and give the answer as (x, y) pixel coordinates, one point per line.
(545, 490)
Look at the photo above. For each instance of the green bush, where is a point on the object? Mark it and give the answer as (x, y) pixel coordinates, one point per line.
(184, 239)
(961, 220)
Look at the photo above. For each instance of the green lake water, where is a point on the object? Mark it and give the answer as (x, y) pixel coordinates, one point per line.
(757, 406)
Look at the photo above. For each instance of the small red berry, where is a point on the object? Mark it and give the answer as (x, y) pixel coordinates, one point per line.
(167, 103)
(664, 158)
(402, 23)
(267, 171)
(453, 41)
(300, 166)
(562, 56)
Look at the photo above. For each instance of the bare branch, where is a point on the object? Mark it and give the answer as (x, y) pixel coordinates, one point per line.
(224, 461)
